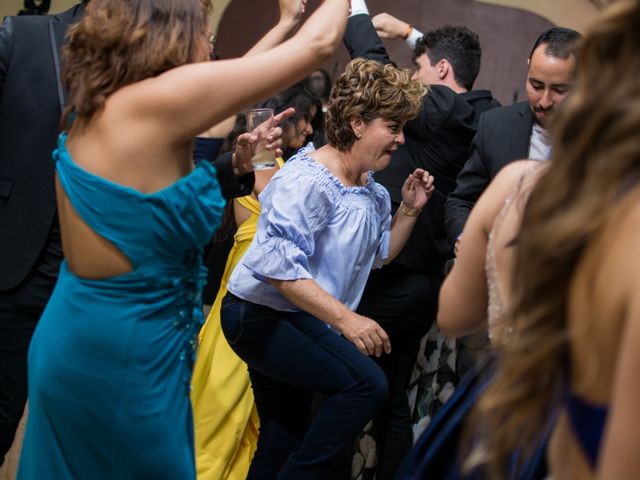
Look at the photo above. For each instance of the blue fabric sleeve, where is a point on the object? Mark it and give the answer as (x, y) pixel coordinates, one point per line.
(295, 210)
(384, 209)
(205, 148)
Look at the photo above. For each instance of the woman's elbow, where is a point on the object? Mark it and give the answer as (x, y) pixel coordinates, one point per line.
(323, 45)
(446, 326)
(391, 255)
(444, 317)
(455, 324)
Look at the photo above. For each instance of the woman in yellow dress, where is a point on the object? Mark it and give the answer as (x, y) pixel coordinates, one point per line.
(225, 417)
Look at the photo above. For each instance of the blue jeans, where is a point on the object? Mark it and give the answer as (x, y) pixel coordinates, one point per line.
(291, 355)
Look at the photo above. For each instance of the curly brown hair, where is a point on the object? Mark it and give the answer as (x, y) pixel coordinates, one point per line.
(596, 159)
(371, 90)
(120, 42)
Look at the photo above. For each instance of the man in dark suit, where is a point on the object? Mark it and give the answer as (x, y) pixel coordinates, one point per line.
(518, 131)
(403, 296)
(31, 102)
(31, 99)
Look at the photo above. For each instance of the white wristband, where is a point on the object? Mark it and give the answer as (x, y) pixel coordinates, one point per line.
(413, 37)
(359, 7)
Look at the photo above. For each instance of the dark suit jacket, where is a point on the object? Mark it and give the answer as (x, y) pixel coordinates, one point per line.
(31, 102)
(503, 136)
(437, 140)
(30, 105)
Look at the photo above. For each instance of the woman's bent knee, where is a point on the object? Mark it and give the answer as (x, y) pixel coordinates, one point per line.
(376, 387)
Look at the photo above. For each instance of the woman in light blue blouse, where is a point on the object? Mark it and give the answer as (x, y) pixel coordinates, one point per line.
(290, 309)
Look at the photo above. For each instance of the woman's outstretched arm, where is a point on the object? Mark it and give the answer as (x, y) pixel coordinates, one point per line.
(185, 101)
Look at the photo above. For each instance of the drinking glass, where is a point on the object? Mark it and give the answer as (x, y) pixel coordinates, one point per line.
(260, 124)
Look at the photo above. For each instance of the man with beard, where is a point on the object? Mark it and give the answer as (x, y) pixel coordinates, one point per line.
(518, 131)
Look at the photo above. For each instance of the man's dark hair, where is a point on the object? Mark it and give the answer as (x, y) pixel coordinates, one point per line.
(456, 44)
(559, 42)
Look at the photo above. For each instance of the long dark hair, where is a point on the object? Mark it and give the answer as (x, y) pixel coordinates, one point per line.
(296, 96)
(302, 99)
(596, 154)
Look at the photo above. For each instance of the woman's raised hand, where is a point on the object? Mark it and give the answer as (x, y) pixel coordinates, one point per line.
(292, 10)
(417, 189)
(366, 335)
(241, 159)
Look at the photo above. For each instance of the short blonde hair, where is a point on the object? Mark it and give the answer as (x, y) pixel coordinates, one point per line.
(371, 90)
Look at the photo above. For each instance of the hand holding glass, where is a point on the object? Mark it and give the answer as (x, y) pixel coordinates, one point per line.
(260, 124)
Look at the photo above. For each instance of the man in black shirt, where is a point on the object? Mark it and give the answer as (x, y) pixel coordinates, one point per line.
(403, 296)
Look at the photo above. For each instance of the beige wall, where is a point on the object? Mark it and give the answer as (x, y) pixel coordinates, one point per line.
(218, 10)
(569, 13)
(576, 14)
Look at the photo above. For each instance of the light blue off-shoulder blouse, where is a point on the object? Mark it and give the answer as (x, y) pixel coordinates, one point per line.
(312, 226)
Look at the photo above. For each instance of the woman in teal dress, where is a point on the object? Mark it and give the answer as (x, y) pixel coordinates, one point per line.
(110, 361)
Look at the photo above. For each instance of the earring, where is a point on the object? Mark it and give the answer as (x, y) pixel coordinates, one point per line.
(358, 135)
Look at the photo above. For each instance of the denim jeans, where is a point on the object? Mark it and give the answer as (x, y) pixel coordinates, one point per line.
(291, 355)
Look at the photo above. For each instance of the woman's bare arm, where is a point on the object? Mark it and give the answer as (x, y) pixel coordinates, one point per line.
(183, 102)
(416, 191)
(290, 15)
(463, 301)
(619, 456)
(364, 333)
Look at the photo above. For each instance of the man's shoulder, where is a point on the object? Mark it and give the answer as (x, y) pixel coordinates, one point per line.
(22, 32)
(500, 114)
(38, 20)
(480, 100)
(442, 91)
(25, 21)
(480, 95)
(476, 100)
(441, 102)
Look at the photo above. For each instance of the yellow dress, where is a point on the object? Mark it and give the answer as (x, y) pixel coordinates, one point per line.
(224, 412)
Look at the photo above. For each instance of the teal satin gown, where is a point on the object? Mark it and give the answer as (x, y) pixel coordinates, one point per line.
(110, 361)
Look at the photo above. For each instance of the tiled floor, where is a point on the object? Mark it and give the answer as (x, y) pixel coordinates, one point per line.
(9, 469)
